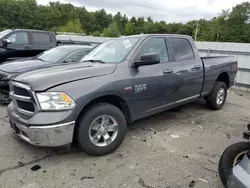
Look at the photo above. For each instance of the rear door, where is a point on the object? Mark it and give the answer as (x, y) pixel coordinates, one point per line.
(41, 41)
(19, 47)
(187, 67)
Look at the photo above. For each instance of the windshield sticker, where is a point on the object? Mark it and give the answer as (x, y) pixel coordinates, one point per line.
(127, 43)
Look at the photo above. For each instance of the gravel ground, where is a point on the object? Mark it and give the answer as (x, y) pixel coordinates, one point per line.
(173, 149)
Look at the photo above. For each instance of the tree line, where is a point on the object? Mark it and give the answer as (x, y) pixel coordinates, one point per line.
(229, 26)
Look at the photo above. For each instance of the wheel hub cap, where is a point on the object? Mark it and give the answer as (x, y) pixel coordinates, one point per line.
(103, 130)
(220, 96)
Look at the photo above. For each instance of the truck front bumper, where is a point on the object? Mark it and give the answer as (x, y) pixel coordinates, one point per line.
(46, 136)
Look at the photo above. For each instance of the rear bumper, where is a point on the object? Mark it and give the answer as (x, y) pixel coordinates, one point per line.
(46, 136)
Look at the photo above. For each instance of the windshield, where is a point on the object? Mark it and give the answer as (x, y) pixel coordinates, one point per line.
(5, 32)
(113, 51)
(56, 55)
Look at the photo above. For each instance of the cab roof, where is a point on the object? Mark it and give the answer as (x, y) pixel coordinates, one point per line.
(32, 30)
(163, 35)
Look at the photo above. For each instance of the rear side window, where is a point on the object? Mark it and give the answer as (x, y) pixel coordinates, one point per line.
(182, 49)
(41, 38)
(155, 45)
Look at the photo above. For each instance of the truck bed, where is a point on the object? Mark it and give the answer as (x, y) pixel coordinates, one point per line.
(215, 65)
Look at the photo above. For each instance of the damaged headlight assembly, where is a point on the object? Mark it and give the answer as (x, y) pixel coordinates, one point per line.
(55, 101)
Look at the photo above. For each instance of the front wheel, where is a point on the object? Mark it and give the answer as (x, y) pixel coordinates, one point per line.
(217, 98)
(101, 130)
(230, 158)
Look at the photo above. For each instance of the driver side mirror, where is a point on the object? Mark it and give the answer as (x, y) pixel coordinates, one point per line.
(6, 41)
(147, 59)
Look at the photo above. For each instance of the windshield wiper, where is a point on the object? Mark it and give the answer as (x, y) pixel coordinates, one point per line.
(94, 61)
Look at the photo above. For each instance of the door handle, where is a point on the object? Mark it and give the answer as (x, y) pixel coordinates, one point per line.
(27, 47)
(168, 71)
(197, 66)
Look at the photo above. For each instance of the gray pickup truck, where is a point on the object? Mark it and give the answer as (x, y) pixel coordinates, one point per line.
(118, 82)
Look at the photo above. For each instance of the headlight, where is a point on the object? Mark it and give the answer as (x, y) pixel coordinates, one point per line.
(55, 101)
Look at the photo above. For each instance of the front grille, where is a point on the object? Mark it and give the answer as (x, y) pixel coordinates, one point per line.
(28, 106)
(23, 99)
(21, 91)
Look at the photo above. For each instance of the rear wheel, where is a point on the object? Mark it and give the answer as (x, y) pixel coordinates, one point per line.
(102, 129)
(217, 98)
(230, 158)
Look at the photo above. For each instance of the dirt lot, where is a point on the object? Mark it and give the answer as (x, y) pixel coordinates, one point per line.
(152, 155)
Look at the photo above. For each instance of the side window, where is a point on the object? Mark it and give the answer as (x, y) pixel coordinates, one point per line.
(77, 56)
(182, 49)
(155, 45)
(19, 38)
(41, 38)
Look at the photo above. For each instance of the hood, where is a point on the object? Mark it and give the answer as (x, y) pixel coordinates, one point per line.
(43, 79)
(19, 66)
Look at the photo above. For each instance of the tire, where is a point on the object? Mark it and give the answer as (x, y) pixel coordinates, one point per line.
(83, 133)
(212, 98)
(227, 159)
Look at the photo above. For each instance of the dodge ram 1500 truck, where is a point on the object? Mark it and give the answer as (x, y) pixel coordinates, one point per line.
(118, 82)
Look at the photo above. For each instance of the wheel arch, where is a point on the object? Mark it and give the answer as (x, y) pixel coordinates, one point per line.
(115, 100)
(224, 77)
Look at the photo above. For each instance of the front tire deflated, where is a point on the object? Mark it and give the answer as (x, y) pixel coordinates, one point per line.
(101, 129)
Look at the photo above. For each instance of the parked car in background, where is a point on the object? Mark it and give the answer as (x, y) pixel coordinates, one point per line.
(19, 43)
(52, 57)
(121, 81)
(16, 43)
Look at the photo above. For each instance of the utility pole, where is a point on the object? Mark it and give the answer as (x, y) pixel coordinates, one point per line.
(196, 31)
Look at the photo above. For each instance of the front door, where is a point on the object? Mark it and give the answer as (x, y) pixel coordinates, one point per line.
(153, 83)
(20, 45)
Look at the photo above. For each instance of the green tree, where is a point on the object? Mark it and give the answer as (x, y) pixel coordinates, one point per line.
(124, 21)
(148, 27)
(96, 33)
(239, 23)
(103, 20)
(118, 20)
(87, 19)
(129, 29)
(149, 19)
(229, 26)
(67, 11)
(112, 31)
(73, 26)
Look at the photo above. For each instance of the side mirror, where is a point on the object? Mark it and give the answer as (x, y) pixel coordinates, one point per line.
(147, 59)
(6, 41)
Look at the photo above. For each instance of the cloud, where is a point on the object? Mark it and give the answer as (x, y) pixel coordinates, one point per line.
(167, 10)
(210, 2)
